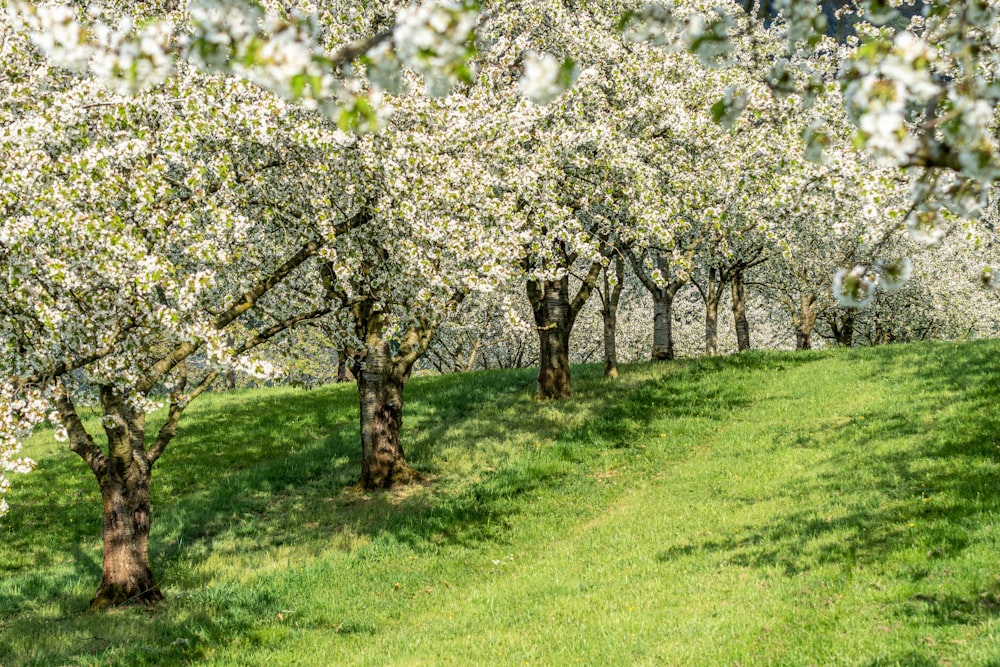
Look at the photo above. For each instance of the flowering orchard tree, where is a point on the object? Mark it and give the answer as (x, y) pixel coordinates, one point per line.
(578, 171)
(436, 237)
(342, 60)
(919, 87)
(139, 235)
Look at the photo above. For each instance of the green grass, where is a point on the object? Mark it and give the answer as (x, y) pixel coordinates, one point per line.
(835, 508)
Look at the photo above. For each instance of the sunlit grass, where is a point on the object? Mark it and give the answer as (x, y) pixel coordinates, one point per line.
(832, 508)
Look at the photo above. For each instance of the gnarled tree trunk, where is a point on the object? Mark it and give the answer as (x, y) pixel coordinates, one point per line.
(382, 369)
(124, 479)
(843, 329)
(553, 359)
(380, 390)
(555, 315)
(123, 474)
(126, 576)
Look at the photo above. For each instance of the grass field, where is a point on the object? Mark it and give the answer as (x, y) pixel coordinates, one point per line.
(833, 508)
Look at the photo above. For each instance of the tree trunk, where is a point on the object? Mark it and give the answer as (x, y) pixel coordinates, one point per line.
(380, 390)
(663, 335)
(712, 298)
(551, 308)
(124, 478)
(740, 312)
(663, 303)
(610, 345)
(555, 315)
(843, 329)
(345, 365)
(712, 328)
(610, 299)
(126, 576)
(805, 323)
(553, 362)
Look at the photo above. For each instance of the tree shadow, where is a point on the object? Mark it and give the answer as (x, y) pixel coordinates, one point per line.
(251, 473)
(922, 504)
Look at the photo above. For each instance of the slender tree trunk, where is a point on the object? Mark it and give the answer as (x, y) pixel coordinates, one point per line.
(805, 323)
(380, 390)
(610, 346)
(663, 302)
(610, 299)
(712, 298)
(740, 312)
(345, 365)
(712, 327)
(663, 335)
(470, 363)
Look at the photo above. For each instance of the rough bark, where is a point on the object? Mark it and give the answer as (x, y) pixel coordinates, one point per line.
(126, 576)
(663, 334)
(382, 374)
(123, 475)
(740, 312)
(610, 347)
(380, 390)
(553, 360)
(712, 328)
(555, 315)
(345, 365)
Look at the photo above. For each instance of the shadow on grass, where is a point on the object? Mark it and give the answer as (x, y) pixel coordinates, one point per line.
(914, 507)
(248, 473)
(252, 472)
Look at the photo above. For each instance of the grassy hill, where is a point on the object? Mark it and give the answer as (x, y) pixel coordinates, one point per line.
(834, 508)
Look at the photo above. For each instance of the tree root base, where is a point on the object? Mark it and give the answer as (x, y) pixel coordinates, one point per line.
(110, 596)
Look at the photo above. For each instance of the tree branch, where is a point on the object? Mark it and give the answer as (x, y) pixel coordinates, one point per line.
(80, 441)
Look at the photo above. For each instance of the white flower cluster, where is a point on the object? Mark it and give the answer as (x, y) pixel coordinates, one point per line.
(728, 110)
(283, 55)
(856, 288)
(708, 37)
(705, 35)
(881, 90)
(657, 23)
(545, 78)
(280, 55)
(55, 30)
(805, 21)
(128, 60)
(20, 411)
(434, 40)
(132, 61)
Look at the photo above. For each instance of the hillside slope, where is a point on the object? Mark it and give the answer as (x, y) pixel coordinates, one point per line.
(834, 508)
